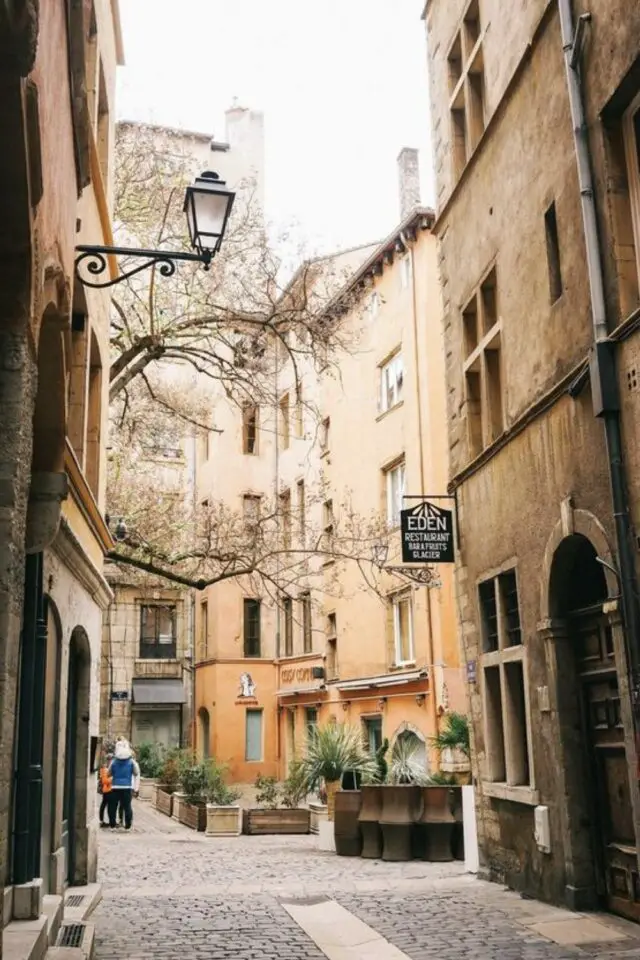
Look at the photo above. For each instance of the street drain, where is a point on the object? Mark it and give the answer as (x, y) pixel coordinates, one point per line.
(74, 900)
(71, 935)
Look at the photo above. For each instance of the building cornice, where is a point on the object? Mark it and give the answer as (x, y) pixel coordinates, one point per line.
(75, 558)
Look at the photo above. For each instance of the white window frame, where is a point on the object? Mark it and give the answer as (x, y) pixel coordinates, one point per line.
(405, 272)
(394, 505)
(633, 173)
(397, 600)
(391, 368)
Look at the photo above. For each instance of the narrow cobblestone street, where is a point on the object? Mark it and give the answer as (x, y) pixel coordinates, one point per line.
(171, 893)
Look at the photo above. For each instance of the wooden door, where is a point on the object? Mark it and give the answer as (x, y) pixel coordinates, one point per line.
(612, 816)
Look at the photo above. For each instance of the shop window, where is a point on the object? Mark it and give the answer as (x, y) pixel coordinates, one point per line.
(373, 733)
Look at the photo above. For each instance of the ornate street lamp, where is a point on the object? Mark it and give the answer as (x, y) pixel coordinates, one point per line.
(207, 206)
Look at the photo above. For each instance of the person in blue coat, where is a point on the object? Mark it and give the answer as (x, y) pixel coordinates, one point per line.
(125, 782)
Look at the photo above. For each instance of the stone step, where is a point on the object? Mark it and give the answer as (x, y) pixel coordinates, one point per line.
(7, 906)
(80, 902)
(52, 907)
(25, 939)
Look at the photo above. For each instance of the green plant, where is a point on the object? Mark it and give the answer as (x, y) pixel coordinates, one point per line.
(455, 735)
(267, 792)
(150, 757)
(193, 776)
(407, 762)
(332, 749)
(381, 761)
(294, 788)
(169, 777)
(439, 779)
(216, 791)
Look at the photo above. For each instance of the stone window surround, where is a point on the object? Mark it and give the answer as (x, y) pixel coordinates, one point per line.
(475, 361)
(391, 361)
(467, 51)
(631, 152)
(395, 599)
(388, 471)
(526, 794)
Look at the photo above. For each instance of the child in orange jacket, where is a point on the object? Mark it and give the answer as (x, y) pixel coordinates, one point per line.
(105, 781)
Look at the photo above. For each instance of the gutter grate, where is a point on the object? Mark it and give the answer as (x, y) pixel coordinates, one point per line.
(74, 900)
(71, 935)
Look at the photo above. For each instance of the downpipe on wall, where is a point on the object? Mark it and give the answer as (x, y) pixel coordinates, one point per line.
(604, 382)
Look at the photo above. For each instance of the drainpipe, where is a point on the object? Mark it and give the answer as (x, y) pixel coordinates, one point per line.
(604, 382)
(433, 711)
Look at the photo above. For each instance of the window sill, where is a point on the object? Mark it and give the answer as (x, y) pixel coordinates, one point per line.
(503, 791)
(402, 665)
(385, 413)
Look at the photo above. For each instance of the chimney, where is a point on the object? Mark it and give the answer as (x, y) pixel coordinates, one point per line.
(409, 180)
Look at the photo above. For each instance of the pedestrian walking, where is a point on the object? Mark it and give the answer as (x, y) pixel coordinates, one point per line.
(125, 781)
(104, 788)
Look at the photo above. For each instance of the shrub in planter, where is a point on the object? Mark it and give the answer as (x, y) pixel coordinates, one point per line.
(168, 781)
(223, 815)
(151, 760)
(268, 818)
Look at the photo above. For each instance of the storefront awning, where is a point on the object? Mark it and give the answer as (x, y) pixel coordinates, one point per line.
(298, 691)
(386, 680)
(150, 691)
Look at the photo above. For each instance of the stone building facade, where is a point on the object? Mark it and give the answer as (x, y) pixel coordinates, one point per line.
(57, 79)
(539, 571)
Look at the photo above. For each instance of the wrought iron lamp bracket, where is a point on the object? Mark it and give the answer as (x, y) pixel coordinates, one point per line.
(423, 576)
(94, 260)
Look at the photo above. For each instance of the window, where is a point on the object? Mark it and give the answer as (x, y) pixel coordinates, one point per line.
(482, 367)
(311, 720)
(391, 382)
(403, 629)
(287, 607)
(283, 424)
(104, 127)
(328, 526)
(631, 134)
(252, 628)
(253, 736)
(302, 518)
(250, 428)
(373, 733)
(204, 629)
(503, 671)
(395, 479)
(405, 272)
(553, 253)
(285, 517)
(94, 417)
(466, 88)
(305, 608)
(158, 632)
(325, 434)
(251, 509)
(283, 346)
(332, 647)
(374, 305)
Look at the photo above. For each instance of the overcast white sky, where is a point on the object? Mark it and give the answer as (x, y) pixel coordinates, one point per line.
(342, 84)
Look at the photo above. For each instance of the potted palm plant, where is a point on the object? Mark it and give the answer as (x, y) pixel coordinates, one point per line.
(224, 815)
(331, 750)
(401, 799)
(453, 742)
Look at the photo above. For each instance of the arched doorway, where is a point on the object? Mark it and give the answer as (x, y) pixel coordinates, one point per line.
(76, 768)
(204, 732)
(50, 743)
(600, 816)
(410, 745)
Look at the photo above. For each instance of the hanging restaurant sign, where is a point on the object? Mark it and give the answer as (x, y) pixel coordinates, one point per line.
(427, 534)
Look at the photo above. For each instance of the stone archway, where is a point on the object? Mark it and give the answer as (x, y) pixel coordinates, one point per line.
(590, 713)
(75, 805)
(414, 739)
(204, 733)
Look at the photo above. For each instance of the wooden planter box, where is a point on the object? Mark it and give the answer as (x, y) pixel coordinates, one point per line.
(318, 814)
(223, 821)
(193, 815)
(164, 802)
(178, 800)
(260, 821)
(147, 788)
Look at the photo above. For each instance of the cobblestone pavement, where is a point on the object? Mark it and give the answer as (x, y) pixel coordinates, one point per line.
(169, 893)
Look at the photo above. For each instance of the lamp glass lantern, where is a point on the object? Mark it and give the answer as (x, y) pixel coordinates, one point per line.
(380, 554)
(207, 205)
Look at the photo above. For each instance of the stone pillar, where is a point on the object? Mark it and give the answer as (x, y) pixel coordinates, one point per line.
(17, 398)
